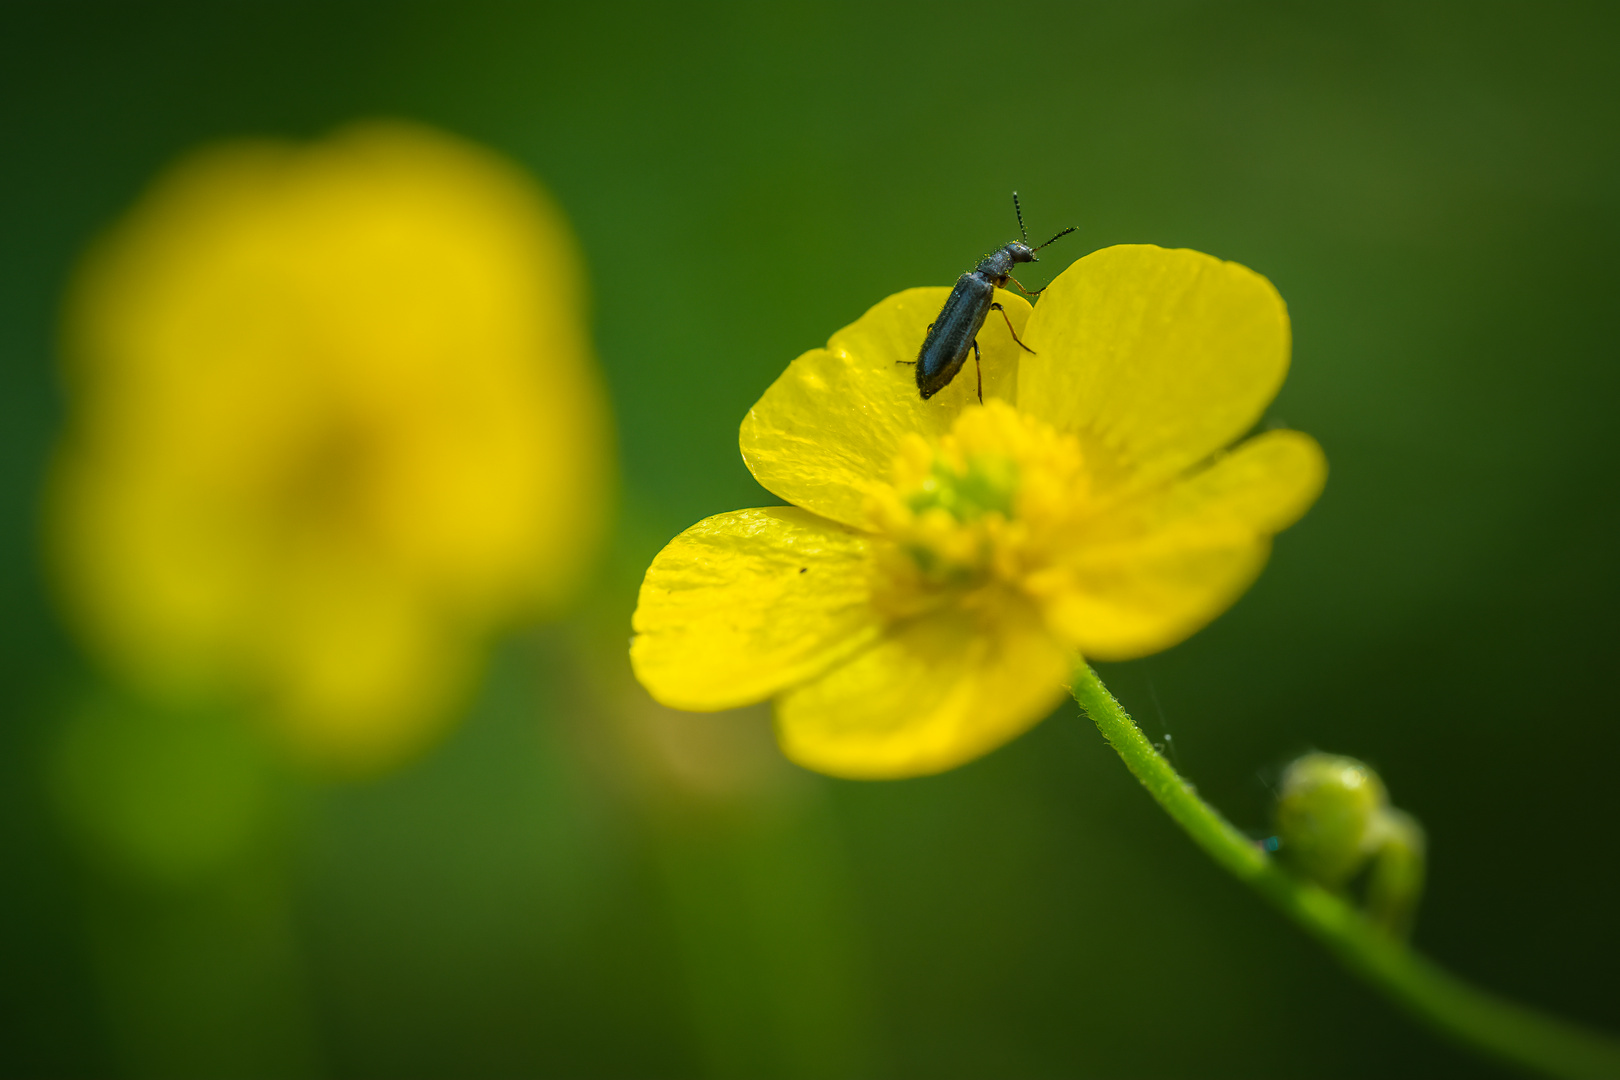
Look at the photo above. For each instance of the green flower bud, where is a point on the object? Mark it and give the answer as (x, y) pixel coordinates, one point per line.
(1329, 812)
(1396, 881)
(1333, 818)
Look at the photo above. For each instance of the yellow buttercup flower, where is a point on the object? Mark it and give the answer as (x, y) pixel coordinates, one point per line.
(945, 563)
(334, 420)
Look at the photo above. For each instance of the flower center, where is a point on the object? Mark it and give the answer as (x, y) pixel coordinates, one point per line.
(990, 505)
(987, 484)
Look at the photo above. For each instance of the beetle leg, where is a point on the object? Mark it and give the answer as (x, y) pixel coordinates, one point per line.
(978, 371)
(1026, 292)
(1010, 330)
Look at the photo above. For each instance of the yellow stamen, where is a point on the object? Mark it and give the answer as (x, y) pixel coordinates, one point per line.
(993, 504)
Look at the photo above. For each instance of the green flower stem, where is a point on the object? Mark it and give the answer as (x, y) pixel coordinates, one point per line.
(1470, 1016)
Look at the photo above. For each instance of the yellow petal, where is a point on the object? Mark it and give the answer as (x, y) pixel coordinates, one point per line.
(826, 432)
(359, 673)
(934, 693)
(1154, 570)
(389, 321)
(743, 604)
(1155, 358)
(335, 421)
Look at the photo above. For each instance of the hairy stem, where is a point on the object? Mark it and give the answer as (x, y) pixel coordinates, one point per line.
(1468, 1015)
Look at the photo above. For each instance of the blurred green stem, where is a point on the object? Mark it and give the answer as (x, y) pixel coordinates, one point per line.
(1470, 1016)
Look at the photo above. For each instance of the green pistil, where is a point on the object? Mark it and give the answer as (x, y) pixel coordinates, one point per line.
(988, 485)
(941, 573)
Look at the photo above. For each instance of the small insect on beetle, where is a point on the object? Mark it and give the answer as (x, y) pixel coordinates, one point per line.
(957, 328)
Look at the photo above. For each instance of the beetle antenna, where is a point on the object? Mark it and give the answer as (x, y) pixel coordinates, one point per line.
(1060, 235)
(1019, 210)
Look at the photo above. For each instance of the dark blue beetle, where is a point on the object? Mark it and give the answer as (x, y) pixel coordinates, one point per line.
(945, 349)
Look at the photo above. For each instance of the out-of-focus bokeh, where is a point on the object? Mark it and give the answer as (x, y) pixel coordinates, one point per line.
(496, 856)
(331, 419)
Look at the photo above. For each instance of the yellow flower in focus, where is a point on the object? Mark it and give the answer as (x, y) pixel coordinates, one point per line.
(334, 420)
(944, 563)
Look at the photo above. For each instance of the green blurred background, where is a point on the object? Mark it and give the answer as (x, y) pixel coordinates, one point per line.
(1435, 190)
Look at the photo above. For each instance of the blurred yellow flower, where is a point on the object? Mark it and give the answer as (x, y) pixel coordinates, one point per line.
(944, 563)
(334, 419)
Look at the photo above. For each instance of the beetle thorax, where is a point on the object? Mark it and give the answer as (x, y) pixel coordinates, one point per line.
(998, 264)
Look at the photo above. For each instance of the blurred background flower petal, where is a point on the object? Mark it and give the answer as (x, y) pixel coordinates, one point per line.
(335, 421)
